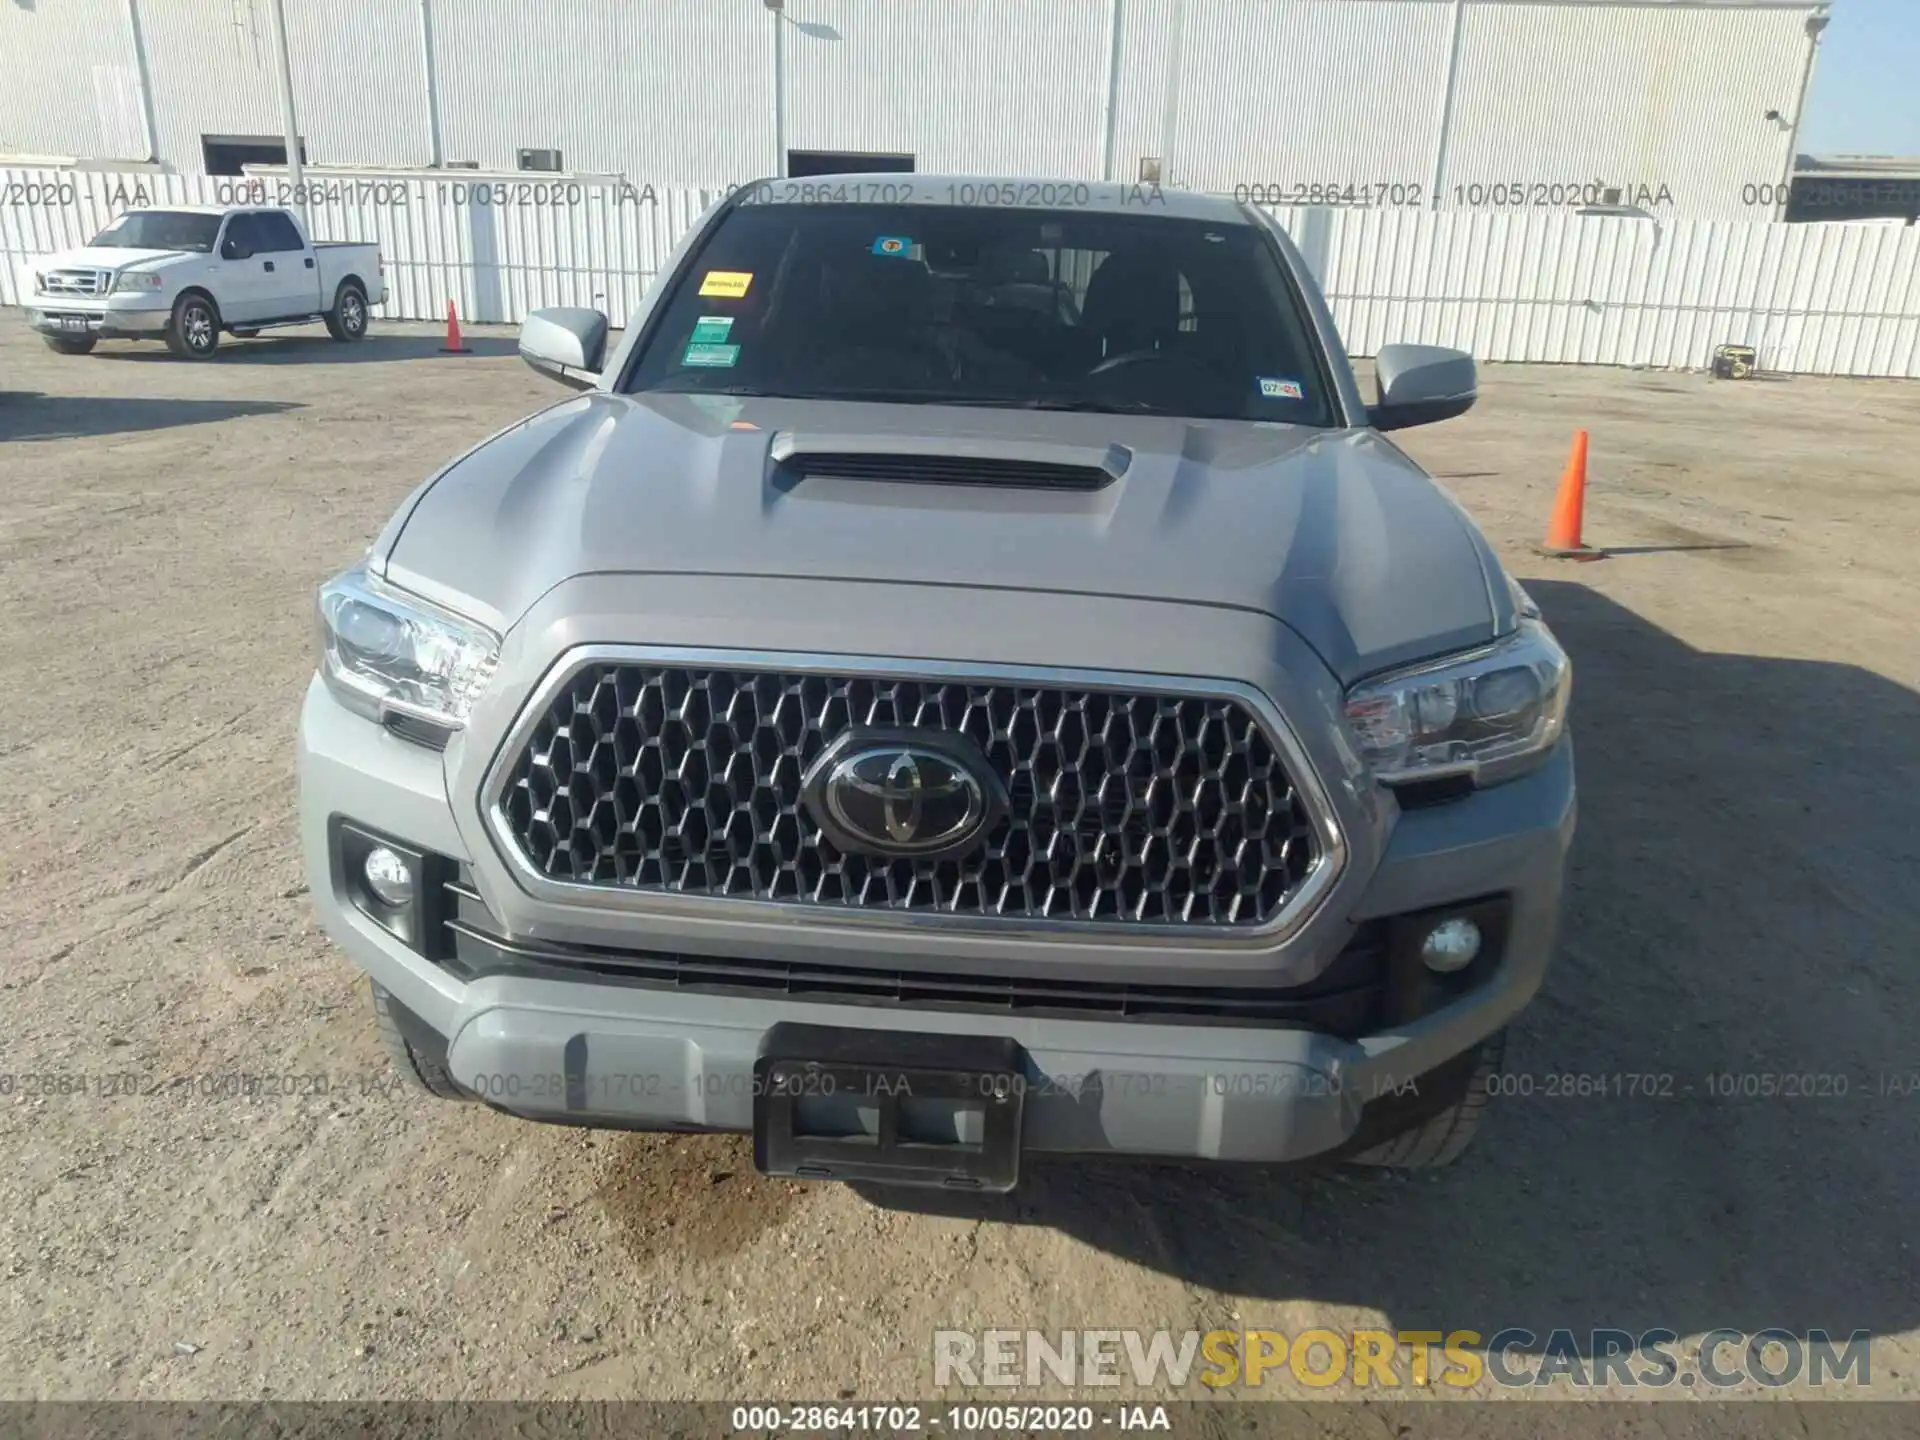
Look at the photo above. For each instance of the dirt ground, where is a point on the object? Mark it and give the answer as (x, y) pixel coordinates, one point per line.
(1747, 706)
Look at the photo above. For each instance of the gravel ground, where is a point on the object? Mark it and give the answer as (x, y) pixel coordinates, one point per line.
(1743, 900)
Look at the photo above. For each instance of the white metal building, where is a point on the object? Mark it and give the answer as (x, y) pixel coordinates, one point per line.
(1689, 107)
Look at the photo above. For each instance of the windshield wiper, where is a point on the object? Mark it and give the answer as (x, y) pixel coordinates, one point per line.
(917, 397)
(757, 392)
(749, 390)
(1053, 402)
(984, 402)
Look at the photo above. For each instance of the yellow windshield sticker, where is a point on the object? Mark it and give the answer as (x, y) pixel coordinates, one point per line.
(726, 284)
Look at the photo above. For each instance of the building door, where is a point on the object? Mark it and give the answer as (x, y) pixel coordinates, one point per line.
(845, 162)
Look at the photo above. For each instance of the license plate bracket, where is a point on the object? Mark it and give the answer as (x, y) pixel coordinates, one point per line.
(894, 1077)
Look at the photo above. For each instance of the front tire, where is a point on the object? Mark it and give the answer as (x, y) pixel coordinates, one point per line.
(1442, 1139)
(193, 330)
(347, 320)
(71, 344)
(421, 1071)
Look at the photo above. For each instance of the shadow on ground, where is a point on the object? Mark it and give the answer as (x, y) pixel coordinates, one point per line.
(1741, 903)
(317, 348)
(27, 416)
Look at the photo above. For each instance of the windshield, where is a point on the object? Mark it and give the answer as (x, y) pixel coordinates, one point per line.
(1037, 309)
(160, 230)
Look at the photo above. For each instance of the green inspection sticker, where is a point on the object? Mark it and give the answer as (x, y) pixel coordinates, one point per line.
(711, 329)
(718, 355)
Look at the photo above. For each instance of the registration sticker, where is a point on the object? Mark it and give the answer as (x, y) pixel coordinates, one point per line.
(712, 329)
(716, 356)
(726, 284)
(892, 245)
(1274, 388)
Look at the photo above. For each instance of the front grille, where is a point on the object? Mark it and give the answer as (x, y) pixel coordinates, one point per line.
(952, 470)
(1125, 806)
(1345, 1000)
(74, 282)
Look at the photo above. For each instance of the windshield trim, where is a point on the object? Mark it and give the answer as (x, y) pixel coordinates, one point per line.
(1324, 336)
(1332, 355)
(636, 345)
(875, 395)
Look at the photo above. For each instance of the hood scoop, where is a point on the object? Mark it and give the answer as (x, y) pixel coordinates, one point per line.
(913, 460)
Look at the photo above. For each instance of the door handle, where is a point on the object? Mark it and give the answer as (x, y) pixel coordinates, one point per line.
(268, 264)
(309, 262)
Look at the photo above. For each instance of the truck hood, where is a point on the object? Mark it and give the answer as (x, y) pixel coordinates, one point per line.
(1335, 533)
(103, 258)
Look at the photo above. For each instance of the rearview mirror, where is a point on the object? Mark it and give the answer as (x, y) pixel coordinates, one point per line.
(234, 250)
(1420, 384)
(565, 343)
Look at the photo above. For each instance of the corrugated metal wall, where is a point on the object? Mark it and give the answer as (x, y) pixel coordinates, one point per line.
(357, 77)
(212, 69)
(988, 87)
(687, 92)
(69, 74)
(676, 92)
(1310, 91)
(1656, 95)
(1605, 290)
(376, 110)
(1814, 299)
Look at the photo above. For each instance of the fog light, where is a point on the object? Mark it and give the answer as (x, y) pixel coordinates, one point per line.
(391, 878)
(1449, 946)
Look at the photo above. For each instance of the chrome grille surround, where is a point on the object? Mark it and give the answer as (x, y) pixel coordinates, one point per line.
(75, 282)
(617, 787)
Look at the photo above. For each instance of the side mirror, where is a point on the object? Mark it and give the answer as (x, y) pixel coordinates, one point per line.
(566, 343)
(234, 250)
(1420, 384)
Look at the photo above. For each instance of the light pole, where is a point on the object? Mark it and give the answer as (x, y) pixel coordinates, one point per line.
(779, 87)
(286, 114)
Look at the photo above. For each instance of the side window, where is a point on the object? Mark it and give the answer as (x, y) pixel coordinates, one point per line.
(276, 232)
(242, 235)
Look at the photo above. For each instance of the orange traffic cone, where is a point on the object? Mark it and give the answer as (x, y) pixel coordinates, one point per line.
(1563, 530)
(455, 345)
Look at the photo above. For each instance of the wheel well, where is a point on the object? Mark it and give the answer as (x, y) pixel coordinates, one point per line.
(204, 295)
(353, 280)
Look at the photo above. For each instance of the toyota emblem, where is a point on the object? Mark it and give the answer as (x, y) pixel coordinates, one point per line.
(905, 794)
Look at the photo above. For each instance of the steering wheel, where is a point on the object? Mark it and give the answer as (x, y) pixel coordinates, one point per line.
(1130, 357)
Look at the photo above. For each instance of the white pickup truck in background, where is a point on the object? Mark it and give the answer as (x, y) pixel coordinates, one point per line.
(188, 272)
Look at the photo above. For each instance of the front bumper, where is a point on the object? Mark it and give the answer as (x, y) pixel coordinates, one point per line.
(51, 315)
(600, 1054)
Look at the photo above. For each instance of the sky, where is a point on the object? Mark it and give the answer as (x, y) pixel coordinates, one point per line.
(1865, 98)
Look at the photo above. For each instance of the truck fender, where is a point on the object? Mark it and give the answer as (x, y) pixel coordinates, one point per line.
(204, 294)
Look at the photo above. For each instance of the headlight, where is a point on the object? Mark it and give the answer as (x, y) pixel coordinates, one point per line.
(136, 280)
(386, 652)
(1490, 714)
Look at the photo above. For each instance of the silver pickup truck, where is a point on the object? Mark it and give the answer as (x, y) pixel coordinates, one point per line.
(186, 273)
(964, 681)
